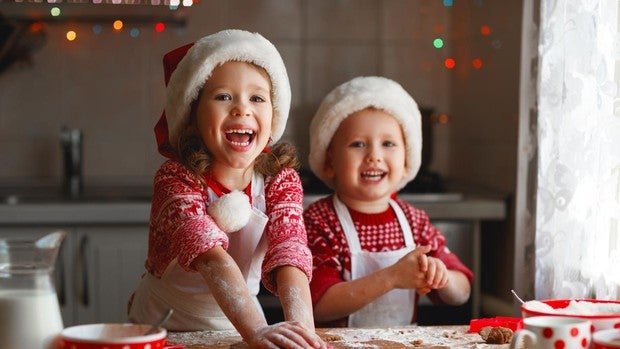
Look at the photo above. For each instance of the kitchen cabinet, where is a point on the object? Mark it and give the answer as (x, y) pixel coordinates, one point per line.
(97, 268)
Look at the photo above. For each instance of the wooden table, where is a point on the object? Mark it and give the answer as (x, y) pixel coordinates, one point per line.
(422, 337)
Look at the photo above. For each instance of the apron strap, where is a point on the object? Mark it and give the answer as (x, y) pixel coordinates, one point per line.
(347, 223)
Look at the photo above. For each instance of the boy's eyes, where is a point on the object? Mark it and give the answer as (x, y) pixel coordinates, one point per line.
(258, 99)
(223, 97)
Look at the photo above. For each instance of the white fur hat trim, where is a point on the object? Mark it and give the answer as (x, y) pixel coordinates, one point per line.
(213, 50)
(231, 211)
(358, 94)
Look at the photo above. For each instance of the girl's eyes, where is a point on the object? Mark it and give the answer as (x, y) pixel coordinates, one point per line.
(360, 144)
(227, 97)
(389, 144)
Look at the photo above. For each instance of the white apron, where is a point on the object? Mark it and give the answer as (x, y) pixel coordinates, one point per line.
(187, 293)
(396, 307)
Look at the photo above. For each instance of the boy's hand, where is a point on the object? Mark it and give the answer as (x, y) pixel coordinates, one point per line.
(437, 274)
(410, 271)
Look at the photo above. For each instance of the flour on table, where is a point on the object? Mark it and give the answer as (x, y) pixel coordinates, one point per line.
(201, 337)
(405, 337)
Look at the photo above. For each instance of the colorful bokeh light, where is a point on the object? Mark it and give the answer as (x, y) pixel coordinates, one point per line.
(485, 30)
(97, 29)
(71, 35)
(160, 27)
(438, 43)
(477, 63)
(449, 63)
(55, 11)
(35, 27)
(117, 25)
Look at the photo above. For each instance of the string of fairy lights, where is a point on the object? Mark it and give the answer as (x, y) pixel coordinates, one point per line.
(134, 17)
(119, 25)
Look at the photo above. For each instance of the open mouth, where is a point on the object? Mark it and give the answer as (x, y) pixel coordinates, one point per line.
(373, 175)
(240, 138)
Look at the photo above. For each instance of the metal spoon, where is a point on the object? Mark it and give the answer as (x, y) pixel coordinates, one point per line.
(161, 321)
(516, 296)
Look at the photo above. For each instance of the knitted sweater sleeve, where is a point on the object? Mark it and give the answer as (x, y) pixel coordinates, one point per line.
(288, 244)
(179, 226)
(328, 245)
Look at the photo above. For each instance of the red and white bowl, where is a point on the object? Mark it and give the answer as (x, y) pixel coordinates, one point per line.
(600, 321)
(111, 336)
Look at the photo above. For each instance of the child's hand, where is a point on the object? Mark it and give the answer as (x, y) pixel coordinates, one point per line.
(436, 274)
(410, 271)
(286, 335)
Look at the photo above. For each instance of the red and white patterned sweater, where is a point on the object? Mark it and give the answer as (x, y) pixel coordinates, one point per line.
(181, 228)
(376, 232)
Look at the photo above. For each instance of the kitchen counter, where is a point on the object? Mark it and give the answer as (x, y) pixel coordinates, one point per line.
(435, 337)
(448, 205)
(123, 210)
(107, 209)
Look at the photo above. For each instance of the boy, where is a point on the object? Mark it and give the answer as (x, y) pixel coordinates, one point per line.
(366, 145)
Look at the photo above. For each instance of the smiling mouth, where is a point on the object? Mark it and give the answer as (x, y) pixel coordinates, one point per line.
(241, 138)
(373, 175)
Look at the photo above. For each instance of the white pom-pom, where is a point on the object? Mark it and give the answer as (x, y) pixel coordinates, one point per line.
(231, 211)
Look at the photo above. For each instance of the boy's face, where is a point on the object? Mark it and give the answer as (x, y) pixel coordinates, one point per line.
(234, 114)
(366, 157)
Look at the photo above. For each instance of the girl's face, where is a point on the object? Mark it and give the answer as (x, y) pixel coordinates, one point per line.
(234, 114)
(366, 159)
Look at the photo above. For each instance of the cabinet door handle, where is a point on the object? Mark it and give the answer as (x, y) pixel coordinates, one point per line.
(82, 262)
(60, 277)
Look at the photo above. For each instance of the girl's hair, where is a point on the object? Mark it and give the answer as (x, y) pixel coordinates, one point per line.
(193, 153)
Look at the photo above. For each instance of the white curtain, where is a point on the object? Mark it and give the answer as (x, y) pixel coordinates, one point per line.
(577, 214)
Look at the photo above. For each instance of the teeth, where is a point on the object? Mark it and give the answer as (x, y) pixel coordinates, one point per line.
(250, 132)
(373, 173)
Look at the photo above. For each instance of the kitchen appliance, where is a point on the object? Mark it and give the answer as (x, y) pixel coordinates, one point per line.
(427, 181)
(71, 143)
(29, 310)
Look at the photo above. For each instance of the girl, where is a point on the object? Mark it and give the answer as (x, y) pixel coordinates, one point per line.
(227, 210)
(365, 143)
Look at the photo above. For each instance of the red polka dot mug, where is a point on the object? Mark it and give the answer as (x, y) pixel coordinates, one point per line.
(553, 332)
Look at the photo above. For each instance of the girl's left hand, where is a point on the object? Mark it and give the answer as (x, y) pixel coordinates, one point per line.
(287, 335)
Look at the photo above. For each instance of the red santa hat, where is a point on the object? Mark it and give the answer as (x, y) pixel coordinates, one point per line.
(358, 94)
(188, 67)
